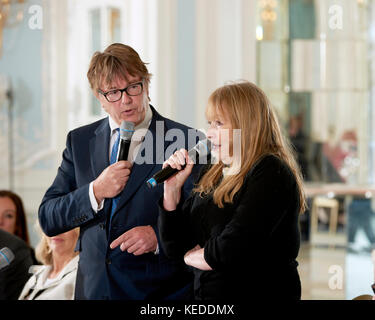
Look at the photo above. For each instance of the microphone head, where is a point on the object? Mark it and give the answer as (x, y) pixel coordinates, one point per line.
(203, 147)
(126, 130)
(6, 257)
(201, 152)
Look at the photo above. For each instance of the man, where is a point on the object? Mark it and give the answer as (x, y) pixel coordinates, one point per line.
(14, 276)
(119, 253)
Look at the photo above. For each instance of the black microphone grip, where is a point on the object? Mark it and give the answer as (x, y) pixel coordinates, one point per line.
(201, 149)
(163, 175)
(123, 150)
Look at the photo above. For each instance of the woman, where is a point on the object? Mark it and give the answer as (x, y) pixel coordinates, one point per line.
(55, 280)
(13, 217)
(239, 228)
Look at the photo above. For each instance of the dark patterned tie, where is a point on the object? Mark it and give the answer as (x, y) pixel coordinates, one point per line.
(113, 160)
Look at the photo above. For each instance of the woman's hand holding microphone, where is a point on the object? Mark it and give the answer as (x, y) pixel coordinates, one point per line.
(172, 186)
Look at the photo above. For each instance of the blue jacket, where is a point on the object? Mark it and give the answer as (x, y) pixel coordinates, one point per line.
(104, 273)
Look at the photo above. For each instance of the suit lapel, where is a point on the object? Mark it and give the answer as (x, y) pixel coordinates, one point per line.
(140, 172)
(99, 151)
(99, 146)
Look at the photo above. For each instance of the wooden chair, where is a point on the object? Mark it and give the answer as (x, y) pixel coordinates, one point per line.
(318, 203)
(363, 297)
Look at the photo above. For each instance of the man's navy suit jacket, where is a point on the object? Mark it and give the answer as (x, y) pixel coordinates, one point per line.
(104, 273)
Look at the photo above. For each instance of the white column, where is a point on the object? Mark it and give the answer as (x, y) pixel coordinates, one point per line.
(225, 47)
(56, 72)
(165, 70)
(206, 71)
(229, 40)
(248, 41)
(371, 35)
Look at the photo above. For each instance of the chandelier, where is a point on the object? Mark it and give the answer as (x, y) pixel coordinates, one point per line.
(11, 13)
(268, 10)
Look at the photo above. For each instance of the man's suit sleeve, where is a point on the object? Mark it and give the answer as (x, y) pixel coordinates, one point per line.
(65, 206)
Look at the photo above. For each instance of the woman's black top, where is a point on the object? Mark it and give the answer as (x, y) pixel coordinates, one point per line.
(251, 244)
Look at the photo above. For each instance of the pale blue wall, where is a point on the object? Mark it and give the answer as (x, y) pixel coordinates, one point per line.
(21, 61)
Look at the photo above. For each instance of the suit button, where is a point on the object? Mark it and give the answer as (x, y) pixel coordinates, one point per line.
(108, 261)
(102, 226)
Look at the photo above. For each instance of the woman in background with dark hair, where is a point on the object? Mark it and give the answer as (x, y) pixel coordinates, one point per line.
(13, 217)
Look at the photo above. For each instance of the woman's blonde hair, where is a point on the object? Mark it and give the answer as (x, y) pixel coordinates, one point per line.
(249, 110)
(43, 251)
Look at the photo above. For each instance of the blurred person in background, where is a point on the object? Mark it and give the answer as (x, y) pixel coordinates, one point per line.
(299, 142)
(56, 278)
(13, 217)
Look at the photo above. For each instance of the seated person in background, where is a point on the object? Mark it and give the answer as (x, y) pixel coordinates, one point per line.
(299, 142)
(56, 279)
(13, 217)
(14, 276)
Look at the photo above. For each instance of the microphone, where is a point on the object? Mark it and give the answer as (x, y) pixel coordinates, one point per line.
(126, 133)
(201, 149)
(6, 257)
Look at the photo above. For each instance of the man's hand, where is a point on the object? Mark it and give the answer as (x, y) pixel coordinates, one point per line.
(112, 180)
(138, 240)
